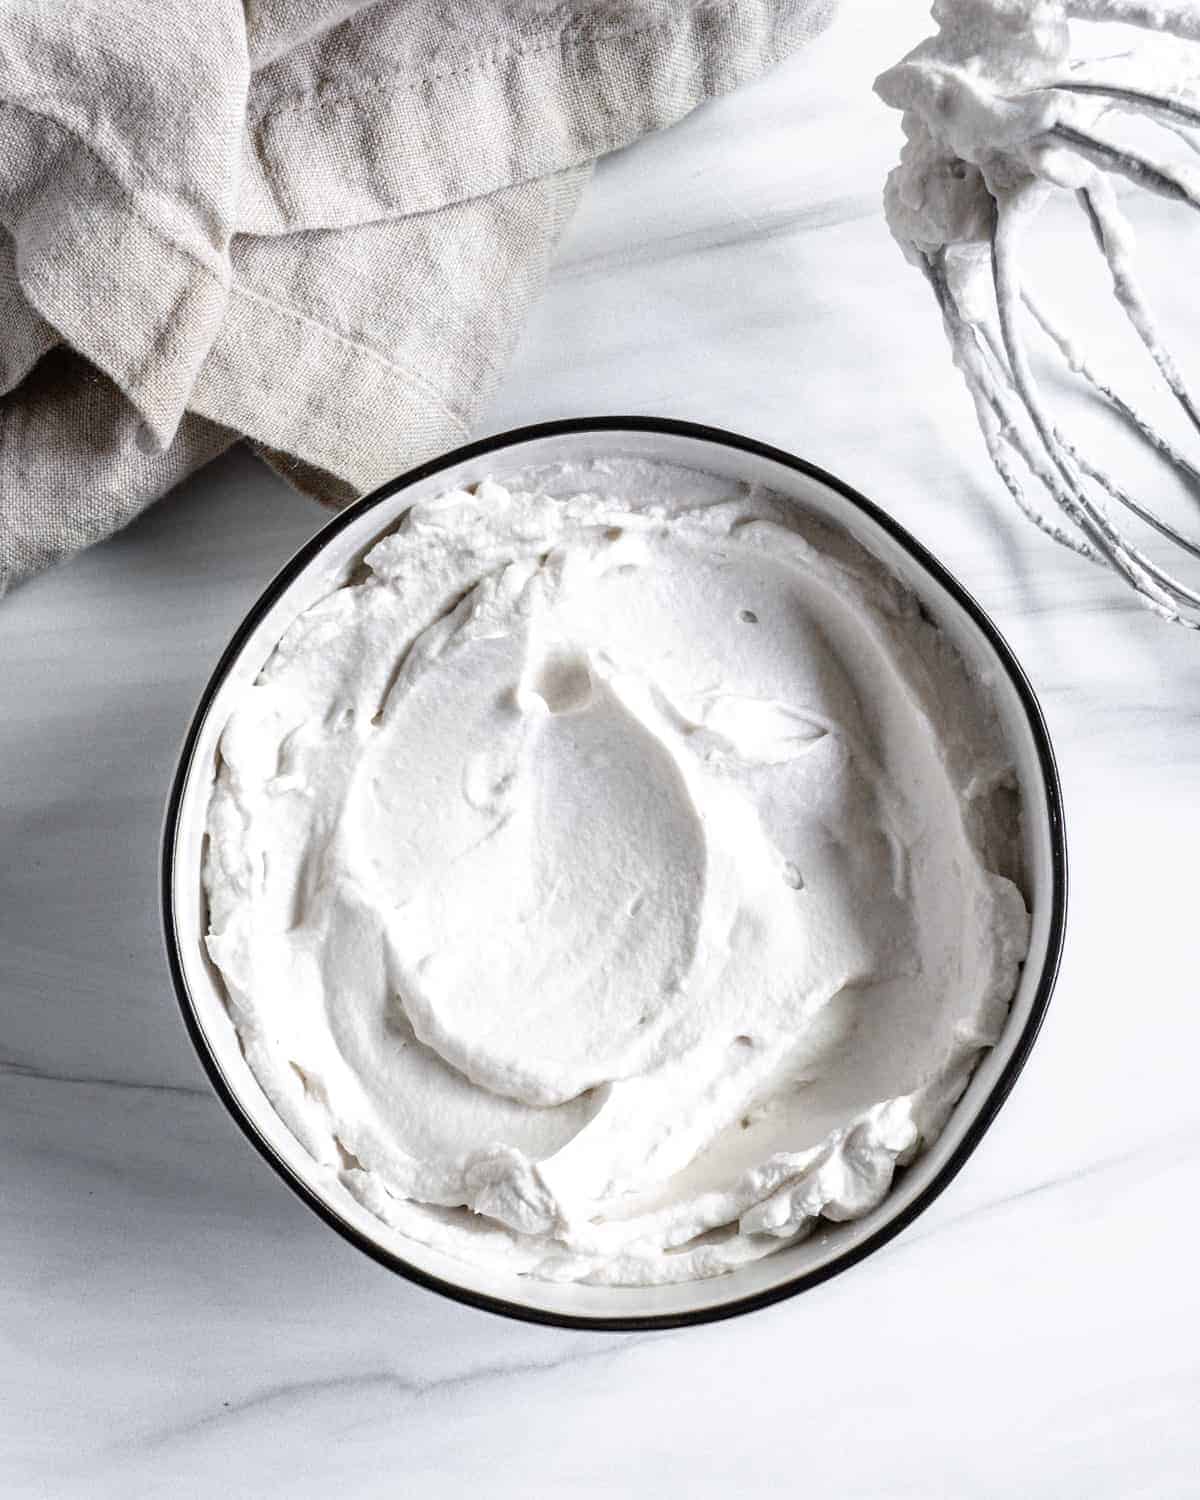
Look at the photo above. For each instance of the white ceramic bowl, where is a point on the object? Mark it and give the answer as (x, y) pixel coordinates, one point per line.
(324, 563)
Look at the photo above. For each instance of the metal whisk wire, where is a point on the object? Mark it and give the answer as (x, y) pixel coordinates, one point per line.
(1022, 438)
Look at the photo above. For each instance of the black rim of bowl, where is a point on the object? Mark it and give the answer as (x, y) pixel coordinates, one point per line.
(986, 1111)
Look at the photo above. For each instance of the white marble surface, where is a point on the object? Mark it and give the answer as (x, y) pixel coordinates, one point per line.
(173, 1322)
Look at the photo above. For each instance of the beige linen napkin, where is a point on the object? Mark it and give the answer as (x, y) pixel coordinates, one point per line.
(314, 224)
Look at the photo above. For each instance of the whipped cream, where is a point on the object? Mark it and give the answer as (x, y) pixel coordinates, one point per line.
(1000, 104)
(979, 112)
(608, 883)
(1008, 101)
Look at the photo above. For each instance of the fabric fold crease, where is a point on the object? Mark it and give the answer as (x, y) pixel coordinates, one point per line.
(313, 224)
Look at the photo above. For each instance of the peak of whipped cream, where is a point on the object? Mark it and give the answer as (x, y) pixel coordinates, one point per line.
(609, 886)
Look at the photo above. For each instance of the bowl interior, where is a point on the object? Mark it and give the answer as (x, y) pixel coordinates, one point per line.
(325, 565)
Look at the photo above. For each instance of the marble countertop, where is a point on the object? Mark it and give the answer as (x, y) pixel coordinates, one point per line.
(173, 1322)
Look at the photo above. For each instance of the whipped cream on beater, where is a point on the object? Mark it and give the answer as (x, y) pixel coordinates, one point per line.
(980, 109)
(608, 885)
(999, 104)
(1009, 100)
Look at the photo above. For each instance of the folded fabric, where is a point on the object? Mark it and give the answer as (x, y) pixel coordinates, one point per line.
(314, 224)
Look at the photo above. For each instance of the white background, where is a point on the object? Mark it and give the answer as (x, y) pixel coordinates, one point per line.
(173, 1322)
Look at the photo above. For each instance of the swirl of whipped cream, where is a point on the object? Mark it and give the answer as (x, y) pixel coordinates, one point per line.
(608, 888)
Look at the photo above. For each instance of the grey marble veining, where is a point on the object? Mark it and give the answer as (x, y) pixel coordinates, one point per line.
(173, 1323)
